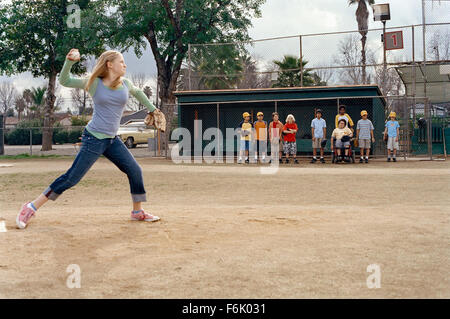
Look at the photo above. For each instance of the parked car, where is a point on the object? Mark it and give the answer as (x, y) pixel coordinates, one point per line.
(135, 132)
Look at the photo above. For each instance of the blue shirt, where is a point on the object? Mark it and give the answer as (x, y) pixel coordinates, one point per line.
(392, 128)
(318, 126)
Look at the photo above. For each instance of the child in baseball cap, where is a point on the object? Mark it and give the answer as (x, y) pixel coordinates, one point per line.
(245, 130)
(261, 137)
(393, 132)
(364, 135)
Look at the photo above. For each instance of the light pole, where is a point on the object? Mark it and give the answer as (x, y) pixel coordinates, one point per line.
(382, 12)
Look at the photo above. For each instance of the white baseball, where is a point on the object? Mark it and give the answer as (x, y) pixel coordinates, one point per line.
(75, 55)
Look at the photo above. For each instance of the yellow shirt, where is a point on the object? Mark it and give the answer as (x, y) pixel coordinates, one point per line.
(338, 133)
(349, 119)
(246, 131)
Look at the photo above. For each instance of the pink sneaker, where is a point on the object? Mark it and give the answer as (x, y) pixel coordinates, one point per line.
(143, 216)
(24, 216)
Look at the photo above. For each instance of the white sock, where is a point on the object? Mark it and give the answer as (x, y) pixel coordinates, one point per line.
(31, 206)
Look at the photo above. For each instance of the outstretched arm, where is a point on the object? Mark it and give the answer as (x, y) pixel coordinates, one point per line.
(139, 95)
(64, 77)
(68, 81)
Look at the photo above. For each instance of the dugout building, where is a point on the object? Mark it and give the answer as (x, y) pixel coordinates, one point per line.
(224, 108)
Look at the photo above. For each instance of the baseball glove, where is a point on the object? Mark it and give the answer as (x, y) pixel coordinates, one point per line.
(323, 143)
(156, 119)
(345, 138)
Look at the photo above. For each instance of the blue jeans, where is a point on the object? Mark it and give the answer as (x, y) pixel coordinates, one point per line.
(245, 145)
(91, 149)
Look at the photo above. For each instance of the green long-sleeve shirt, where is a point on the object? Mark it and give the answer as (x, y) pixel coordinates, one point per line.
(65, 79)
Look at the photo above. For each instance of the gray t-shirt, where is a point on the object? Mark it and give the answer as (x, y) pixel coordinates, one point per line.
(109, 106)
(364, 127)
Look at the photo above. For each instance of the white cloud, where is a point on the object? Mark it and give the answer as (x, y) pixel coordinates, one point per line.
(294, 17)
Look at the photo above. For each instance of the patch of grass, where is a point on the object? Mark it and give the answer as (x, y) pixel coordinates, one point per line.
(26, 155)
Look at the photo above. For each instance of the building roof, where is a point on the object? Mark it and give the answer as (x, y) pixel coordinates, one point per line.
(139, 115)
(274, 94)
(11, 120)
(435, 77)
(61, 116)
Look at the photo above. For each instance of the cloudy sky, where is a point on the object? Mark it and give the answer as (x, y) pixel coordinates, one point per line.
(293, 17)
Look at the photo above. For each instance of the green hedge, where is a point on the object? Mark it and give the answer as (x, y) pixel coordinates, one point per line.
(63, 135)
(21, 134)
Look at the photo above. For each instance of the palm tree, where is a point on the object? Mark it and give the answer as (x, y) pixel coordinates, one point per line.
(290, 74)
(38, 98)
(362, 17)
(218, 67)
(20, 105)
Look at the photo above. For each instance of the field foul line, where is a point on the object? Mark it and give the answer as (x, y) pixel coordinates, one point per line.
(3, 228)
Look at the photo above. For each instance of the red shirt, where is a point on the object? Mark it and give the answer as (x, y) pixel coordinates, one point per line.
(291, 136)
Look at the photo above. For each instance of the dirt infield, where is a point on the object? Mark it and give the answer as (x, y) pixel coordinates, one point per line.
(229, 232)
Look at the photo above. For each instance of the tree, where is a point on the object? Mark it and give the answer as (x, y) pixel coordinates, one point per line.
(362, 18)
(28, 98)
(250, 77)
(81, 99)
(322, 77)
(147, 91)
(8, 94)
(289, 74)
(389, 81)
(9, 112)
(139, 80)
(169, 26)
(37, 36)
(38, 99)
(439, 45)
(219, 67)
(349, 55)
(20, 105)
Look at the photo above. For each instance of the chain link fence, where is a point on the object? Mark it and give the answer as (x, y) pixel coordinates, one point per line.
(66, 141)
(323, 59)
(421, 134)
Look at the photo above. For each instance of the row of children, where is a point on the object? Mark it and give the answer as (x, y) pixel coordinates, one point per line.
(283, 136)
